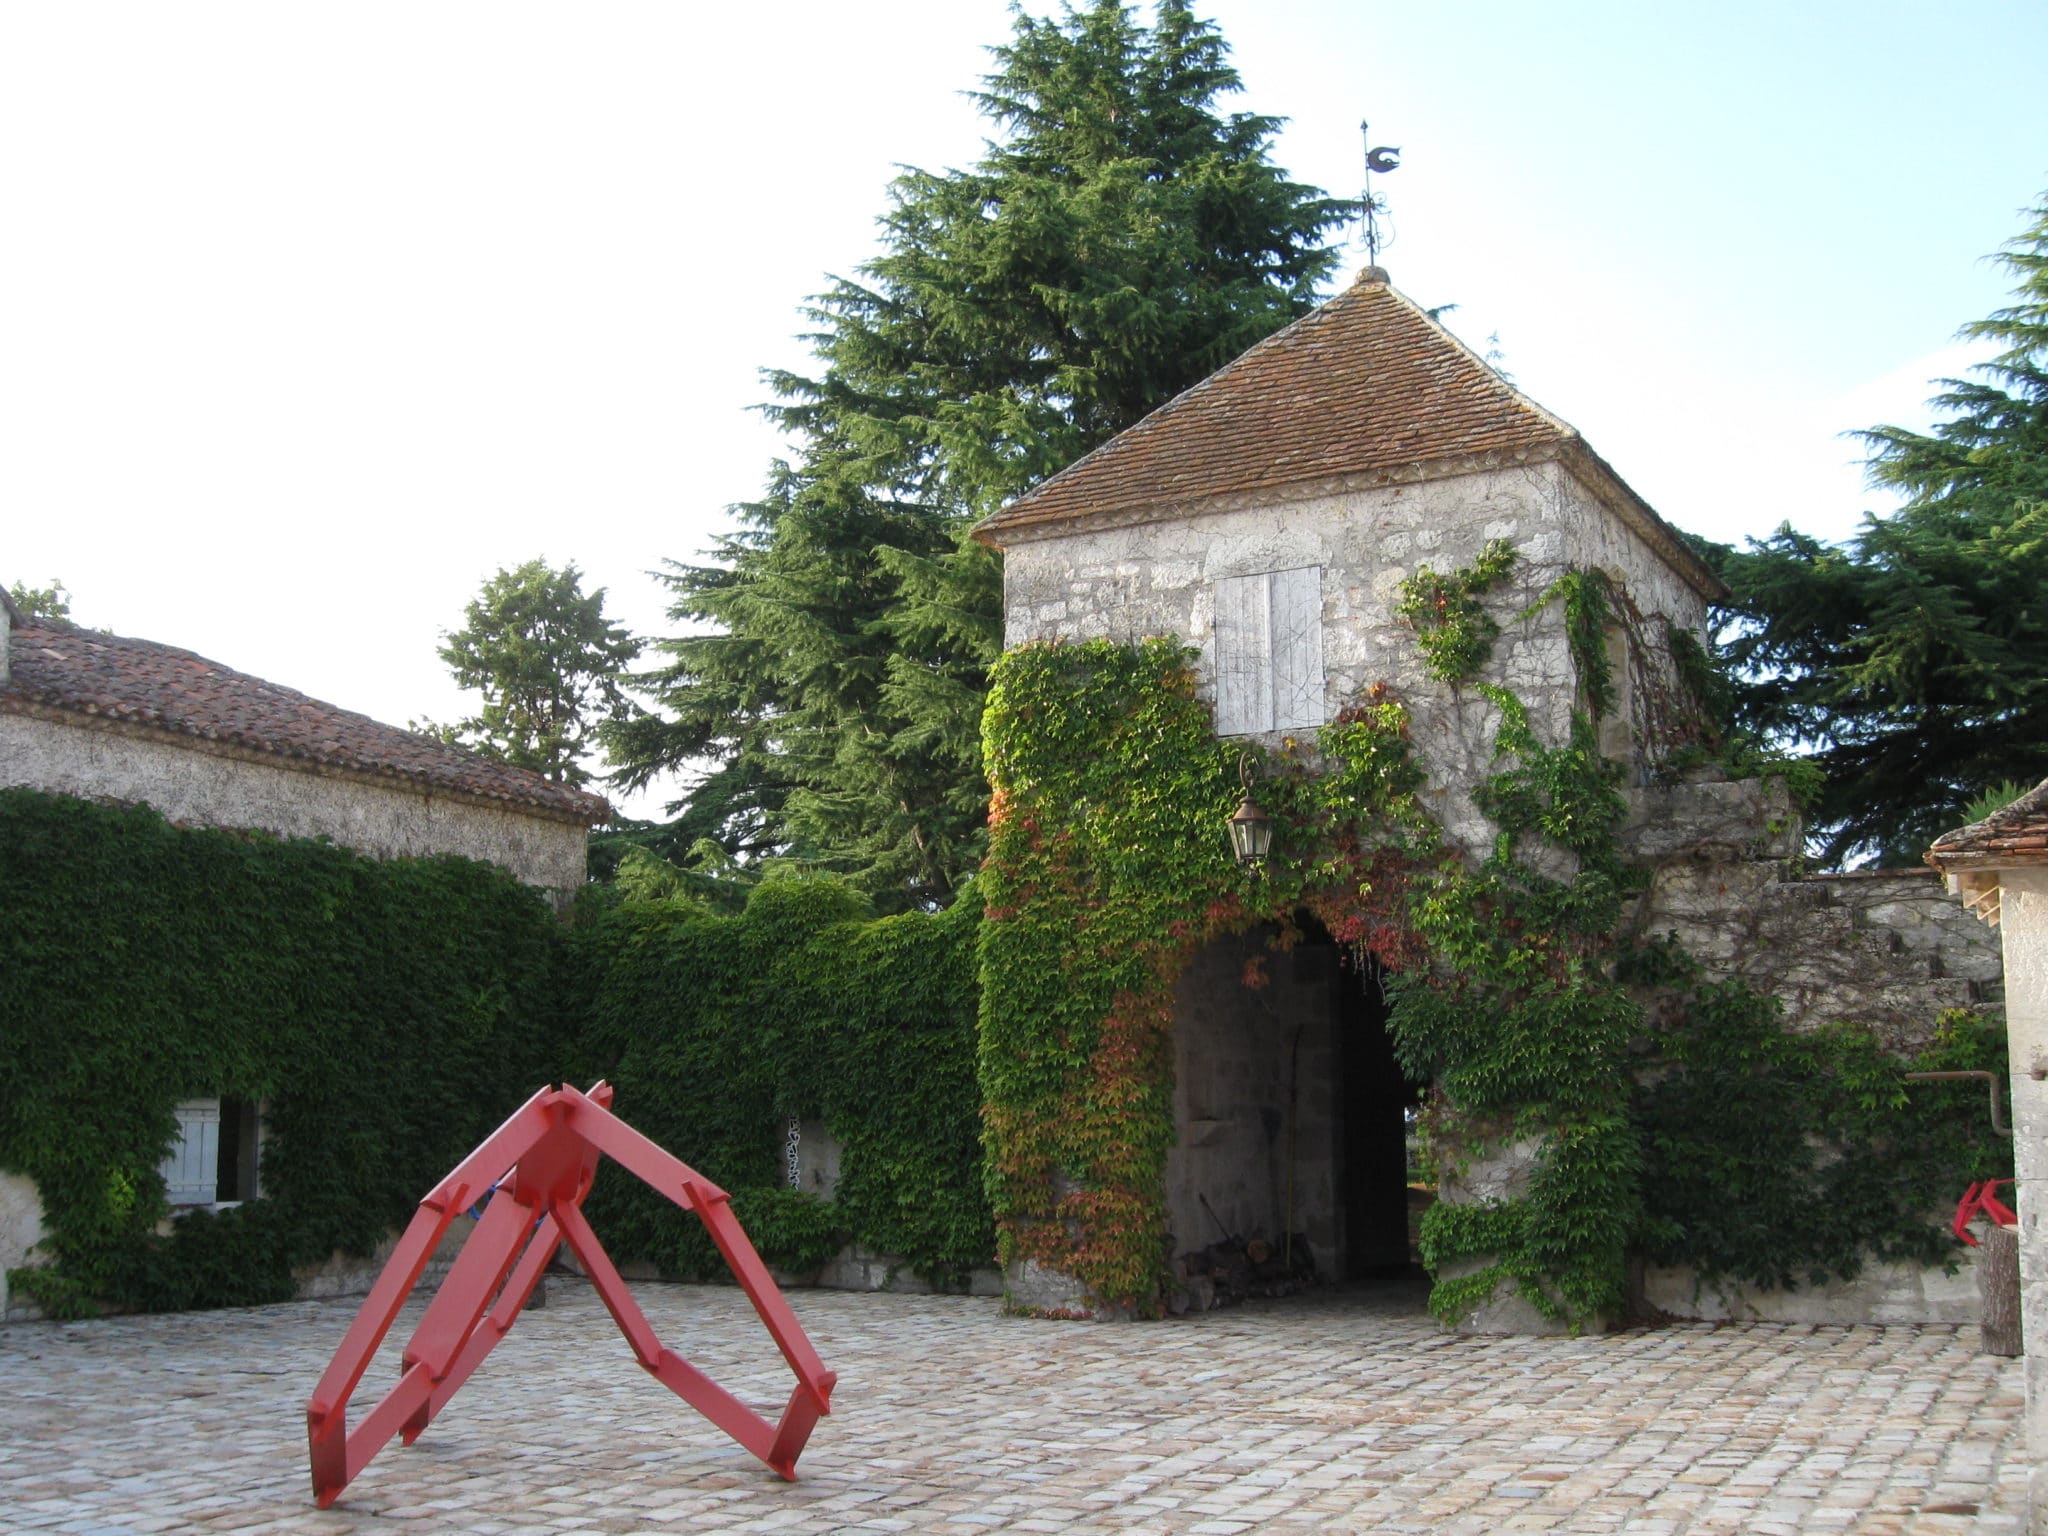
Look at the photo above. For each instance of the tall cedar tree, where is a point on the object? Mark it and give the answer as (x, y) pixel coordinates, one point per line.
(1913, 661)
(1120, 240)
(548, 664)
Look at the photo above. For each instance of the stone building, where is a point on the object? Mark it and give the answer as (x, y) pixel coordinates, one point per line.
(105, 717)
(1268, 517)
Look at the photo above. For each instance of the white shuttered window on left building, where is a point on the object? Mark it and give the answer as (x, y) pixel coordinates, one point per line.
(1267, 649)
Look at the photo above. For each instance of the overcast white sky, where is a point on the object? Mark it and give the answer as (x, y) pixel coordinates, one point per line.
(311, 317)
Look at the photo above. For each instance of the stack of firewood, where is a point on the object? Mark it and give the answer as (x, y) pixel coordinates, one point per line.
(1232, 1270)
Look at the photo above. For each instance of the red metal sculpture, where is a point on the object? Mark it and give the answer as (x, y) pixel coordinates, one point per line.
(1981, 1198)
(535, 1170)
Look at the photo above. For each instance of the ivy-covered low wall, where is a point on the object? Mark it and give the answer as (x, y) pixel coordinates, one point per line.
(1777, 1159)
(717, 1030)
(388, 1014)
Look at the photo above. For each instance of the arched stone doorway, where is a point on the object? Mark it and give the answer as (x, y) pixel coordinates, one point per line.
(1291, 1118)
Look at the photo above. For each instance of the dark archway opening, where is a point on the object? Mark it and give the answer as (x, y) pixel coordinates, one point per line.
(1293, 1157)
(1378, 1170)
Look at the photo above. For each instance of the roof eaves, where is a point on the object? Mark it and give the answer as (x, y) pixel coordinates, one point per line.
(1599, 475)
(2014, 834)
(572, 806)
(1281, 492)
(1621, 498)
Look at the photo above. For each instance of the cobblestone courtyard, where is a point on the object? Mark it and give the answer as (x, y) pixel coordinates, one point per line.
(1345, 1411)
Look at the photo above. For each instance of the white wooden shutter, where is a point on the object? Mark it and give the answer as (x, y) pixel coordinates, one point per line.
(1268, 651)
(1297, 617)
(191, 1171)
(1243, 654)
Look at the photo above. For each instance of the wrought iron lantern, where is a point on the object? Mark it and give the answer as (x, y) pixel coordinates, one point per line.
(1251, 829)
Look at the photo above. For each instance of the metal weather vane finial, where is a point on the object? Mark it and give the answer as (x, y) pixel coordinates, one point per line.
(1372, 207)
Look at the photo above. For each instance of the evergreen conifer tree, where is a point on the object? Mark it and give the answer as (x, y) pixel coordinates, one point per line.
(1913, 661)
(1119, 240)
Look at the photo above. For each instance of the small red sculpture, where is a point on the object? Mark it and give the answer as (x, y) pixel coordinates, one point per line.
(1981, 1197)
(535, 1170)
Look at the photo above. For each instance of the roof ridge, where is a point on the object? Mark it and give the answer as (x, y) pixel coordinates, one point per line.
(1167, 408)
(1213, 394)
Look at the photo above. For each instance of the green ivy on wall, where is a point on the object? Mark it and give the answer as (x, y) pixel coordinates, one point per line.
(1105, 870)
(716, 1030)
(388, 1014)
(1779, 1159)
(1509, 989)
(1453, 629)
(999, 1075)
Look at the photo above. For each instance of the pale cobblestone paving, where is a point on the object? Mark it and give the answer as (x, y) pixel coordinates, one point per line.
(1345, 1411)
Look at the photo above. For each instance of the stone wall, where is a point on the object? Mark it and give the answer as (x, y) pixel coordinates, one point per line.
(1889, 950)
(1157, 578)
(205, 785)
(1596, 539)
(1881, 1295)
(21, 1227)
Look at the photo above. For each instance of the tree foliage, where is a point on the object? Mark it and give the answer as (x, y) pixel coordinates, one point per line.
(548, 664)
(51, 602)
(1913, 660)
(1121, 239)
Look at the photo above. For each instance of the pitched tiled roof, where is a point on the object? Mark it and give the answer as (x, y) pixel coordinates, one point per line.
(2015, 834)
(1368, 385)
(113, 680)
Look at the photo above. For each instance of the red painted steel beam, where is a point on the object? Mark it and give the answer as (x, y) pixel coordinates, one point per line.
(610, 1286)
(666, 1174)
(526, 1274)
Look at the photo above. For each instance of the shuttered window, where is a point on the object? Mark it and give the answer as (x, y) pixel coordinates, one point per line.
(192, 1171)
(1268, 651)
(214, 1160)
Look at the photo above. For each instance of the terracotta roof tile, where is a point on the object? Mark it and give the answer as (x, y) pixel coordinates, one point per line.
(59, 666)
(1366, 384)
(2015, 834)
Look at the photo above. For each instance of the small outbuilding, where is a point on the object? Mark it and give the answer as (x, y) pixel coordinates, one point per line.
(1279, 518)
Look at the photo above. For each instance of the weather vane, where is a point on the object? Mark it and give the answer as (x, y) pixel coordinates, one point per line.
(1372, 207)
